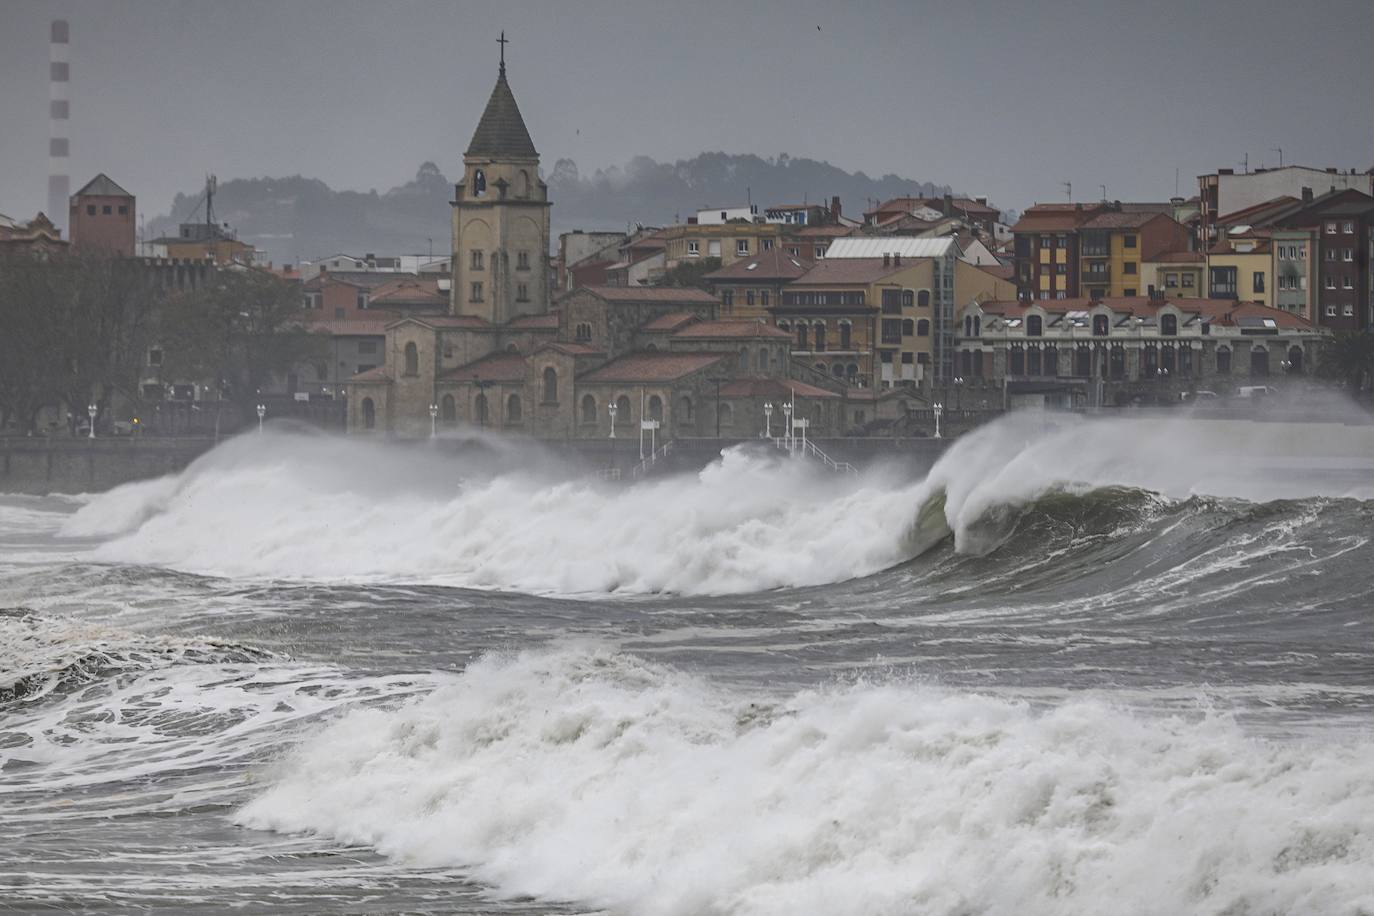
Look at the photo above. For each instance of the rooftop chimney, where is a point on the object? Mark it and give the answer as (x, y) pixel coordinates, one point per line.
(896, 259)
(835, 207)
(1307, 195)
(887, 259)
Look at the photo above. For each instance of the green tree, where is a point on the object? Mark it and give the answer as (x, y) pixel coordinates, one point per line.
(1349, 357)
(238, 334)
(690, 273)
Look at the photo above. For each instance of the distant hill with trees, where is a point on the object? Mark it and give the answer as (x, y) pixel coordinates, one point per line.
(299, 218)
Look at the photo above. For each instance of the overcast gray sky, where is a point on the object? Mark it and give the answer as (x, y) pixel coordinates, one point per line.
(1004, 98)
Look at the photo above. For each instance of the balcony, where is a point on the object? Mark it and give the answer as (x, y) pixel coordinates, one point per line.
(1097, 273)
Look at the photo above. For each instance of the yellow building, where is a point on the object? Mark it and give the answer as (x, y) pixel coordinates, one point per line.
(1177, 273)
(1241, 268)
(1117, 243)
(727, 241)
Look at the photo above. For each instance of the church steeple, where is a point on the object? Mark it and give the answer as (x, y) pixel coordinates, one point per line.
(501, 134)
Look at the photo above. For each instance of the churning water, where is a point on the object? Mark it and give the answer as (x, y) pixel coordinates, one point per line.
(1098, 667)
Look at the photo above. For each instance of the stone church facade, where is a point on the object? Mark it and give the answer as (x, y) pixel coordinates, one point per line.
(507, 358)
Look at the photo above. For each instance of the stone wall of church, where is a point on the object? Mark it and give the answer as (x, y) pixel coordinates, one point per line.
(500, 241)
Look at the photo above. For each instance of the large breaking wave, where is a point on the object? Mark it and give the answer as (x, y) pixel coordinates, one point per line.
(285, 506)
(587, 774)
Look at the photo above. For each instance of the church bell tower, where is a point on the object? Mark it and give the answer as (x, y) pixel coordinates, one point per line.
(500, 217)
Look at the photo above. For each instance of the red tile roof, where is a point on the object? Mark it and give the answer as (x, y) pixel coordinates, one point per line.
(445, 321)
(1246, 213)
(636, 294)
(572, 349)
(670, 322)
(1121, 219)
(377, 374)
(499, 367)
(1223, 312)
(773, 388)
(835, 271)
(653, 366)
(1000, 271)
(825, 231)
(717, 329)
(770, 265)
(1178, 257)
(411, 290)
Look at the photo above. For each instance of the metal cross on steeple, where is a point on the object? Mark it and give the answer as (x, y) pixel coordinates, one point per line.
(502, 41)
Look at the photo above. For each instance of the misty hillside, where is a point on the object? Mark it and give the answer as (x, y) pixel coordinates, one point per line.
(297, 218)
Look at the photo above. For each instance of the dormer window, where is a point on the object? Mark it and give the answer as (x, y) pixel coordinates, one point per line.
(479, 183)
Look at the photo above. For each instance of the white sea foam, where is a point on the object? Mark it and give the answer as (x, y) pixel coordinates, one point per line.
(580, 773)
(314, 507)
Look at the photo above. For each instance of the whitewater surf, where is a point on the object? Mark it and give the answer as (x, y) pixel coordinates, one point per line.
(1080, 666)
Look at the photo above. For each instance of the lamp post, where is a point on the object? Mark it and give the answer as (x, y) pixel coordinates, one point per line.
(787, 425)
(938, 409)
(768, 419)
(958, 392)
(92, 410)
(611, 408)
(262, 412)
(433, 420)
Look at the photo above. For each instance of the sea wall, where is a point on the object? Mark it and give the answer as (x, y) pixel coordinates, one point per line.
(73, 465)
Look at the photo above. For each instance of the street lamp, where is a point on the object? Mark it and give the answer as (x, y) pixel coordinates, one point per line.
(262, 412)
(939, 409)
(92, 410)
(958, 392)
(611, 407)
(787, 424)
(768, 419)
(433, 420)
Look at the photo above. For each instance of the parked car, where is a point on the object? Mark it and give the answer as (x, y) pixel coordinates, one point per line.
(1255, 392)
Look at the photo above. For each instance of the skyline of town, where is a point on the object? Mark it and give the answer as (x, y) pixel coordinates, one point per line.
(294, 110)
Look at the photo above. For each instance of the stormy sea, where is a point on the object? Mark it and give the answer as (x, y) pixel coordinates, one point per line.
(1081, 666)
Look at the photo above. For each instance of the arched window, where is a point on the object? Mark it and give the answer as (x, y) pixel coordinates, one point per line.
(480, 408)
(514, 409)
(922, 327)
(369, 414)
(837, 370)
(655, 408)
(1117, 359)
(743, 359)
(968, 325)
(977, 326)
(846, 335)
(763, 359)
(801, 336)
(479, 183)
(1166, 359)
(1100, 326)
(583, 332)
(550, 386)
(1295, 360)
(1034, 326)
(522, 183)
(820, 367)
(1223, 361)
(1083, 361)
(622, 410)
(852, 370)
(1149, 360)
(448, 410)
(1017, 360)
(1168, 325)
(588, 409)
(820, 338)
(724, 414)
(512, 348)
(923, 298)
(1259, 361)
(908, 327)
(412, 359)
(684, 409)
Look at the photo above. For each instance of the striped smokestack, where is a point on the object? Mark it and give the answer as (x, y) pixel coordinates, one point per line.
(59, 114)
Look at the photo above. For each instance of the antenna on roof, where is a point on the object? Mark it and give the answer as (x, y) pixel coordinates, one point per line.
(1104, 191)
(1245, 165)
(1068, 189)
(1279, 150)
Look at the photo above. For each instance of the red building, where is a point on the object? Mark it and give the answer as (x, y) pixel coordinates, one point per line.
(101, 216)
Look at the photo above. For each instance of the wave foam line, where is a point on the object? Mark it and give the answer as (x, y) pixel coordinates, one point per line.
(579, 774)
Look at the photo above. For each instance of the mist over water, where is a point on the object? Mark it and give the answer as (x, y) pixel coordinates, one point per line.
(1081, 666)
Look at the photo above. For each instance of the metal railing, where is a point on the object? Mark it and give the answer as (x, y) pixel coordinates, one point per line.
(651, 459)
(808, 448)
